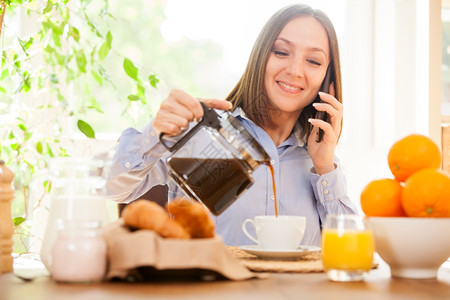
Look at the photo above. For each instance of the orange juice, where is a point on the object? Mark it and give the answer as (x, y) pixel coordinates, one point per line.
(349, 250)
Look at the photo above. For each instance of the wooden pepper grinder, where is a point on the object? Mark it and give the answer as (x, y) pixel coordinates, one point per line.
(6, 224)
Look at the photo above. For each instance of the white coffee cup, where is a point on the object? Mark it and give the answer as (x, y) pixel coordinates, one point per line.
(281, 233)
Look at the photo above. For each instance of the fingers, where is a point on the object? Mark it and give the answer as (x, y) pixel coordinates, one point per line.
(334, 109)
(185, 105)
(180, 109)
(331, 106)
(170, 124)
(331, 100)
(325, 126)
(217, 104)
(176, 112)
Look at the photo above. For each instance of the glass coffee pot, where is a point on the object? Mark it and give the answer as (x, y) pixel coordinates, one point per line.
(213, 162)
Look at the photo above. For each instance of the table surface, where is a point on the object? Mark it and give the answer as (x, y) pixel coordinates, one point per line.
(379, 285)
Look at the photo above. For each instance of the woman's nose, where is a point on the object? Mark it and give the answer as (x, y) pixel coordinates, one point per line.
(296, 68)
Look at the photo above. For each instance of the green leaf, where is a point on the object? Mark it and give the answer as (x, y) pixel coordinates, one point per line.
(54, 78)
(133, 97)
(17, 64)
(26, 82)
(47, 186)
(2, 90)
(153, 80)
(103, 51)
(49, 49)
(81, 61)
(58, 29)
(18, 220)
(39, 147)
(47, 25)
(130, 69)
(49, 150)
(74, 33)
(23, 127)
(97, 77)
(48, 7)
(109, 38)
(5, 73)
(94, 104)
(86, 129)
(61, 59)
(56, 38)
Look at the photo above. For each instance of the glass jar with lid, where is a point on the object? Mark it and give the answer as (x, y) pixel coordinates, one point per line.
(79, 253)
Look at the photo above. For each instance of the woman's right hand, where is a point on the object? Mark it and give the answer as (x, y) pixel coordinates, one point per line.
(179, 109)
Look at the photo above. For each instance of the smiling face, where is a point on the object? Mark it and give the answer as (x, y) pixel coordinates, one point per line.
(297, 65)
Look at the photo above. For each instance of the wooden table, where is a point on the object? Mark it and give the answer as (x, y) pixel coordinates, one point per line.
(379, 285)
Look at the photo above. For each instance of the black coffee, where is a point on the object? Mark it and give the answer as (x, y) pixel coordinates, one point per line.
(217, 182)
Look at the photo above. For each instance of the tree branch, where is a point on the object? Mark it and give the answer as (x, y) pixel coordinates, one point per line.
(3, 4)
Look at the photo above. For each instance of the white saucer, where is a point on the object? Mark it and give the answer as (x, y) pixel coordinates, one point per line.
(275, 253)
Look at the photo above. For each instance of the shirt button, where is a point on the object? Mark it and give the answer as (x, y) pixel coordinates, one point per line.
(272, 197)
(325, 192)
(324, 183)
(152, 133)
(127, 164)
(272, 161)
(147, 141)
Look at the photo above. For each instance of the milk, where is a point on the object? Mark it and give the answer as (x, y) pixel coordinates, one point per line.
(77, 195)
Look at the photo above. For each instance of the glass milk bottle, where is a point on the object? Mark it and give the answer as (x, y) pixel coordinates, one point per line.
(77, 195)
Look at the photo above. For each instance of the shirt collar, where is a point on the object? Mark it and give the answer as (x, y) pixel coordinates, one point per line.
(294, 139)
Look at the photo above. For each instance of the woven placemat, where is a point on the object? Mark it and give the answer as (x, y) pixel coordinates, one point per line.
(306, 264)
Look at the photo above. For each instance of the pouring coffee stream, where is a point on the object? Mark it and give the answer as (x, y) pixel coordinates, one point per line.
(213, 162)
(272, 172)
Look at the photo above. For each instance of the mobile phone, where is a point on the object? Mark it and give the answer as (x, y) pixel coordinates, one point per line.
(321, 114)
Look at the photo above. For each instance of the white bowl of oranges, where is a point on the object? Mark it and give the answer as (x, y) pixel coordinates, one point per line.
(410, 213)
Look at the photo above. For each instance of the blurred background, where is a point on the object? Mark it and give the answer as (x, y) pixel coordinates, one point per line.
(395, 57)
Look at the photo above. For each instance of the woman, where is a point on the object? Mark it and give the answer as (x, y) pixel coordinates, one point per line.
(274, 99)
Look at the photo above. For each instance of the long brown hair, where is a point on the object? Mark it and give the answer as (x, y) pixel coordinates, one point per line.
(250, 93)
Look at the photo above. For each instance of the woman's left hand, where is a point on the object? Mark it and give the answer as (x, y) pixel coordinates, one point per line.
(322, 153)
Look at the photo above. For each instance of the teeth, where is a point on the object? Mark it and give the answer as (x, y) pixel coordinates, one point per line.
(291, 88)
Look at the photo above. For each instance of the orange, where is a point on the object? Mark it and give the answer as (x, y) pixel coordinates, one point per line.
(412, 153)
(427, 194)
(382, 198)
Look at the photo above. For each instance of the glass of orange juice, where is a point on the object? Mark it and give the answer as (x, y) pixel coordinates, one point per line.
(347, 247)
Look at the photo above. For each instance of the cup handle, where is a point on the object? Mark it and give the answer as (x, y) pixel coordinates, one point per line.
(244, 229)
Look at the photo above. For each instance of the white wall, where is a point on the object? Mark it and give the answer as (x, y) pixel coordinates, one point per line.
(391, 82)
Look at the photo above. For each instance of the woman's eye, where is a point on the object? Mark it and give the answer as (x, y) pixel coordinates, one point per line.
(280, 53)
(314, 62)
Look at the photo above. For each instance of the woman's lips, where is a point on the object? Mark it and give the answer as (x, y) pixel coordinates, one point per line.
(289, 87)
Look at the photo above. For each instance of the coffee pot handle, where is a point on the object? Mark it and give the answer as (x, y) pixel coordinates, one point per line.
(210, 118)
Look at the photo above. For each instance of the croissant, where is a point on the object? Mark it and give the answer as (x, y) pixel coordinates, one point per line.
(144, 214)
(193, 216)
